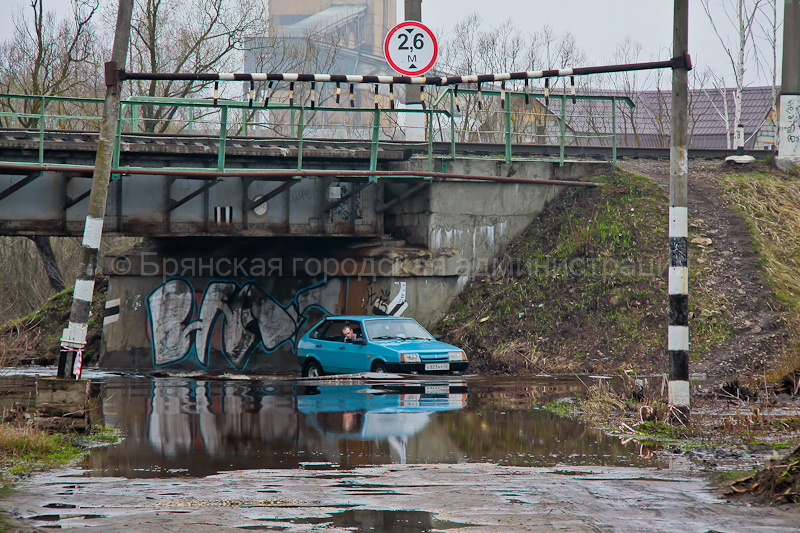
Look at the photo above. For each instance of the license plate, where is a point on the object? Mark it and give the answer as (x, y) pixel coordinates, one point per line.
(437, 366)
(437, 389)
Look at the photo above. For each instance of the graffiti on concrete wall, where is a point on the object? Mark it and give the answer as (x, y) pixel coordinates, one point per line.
(380, 303)
(790, 125)
(237, 319)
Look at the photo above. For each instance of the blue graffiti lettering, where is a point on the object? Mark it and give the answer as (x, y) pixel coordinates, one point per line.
(244, 318)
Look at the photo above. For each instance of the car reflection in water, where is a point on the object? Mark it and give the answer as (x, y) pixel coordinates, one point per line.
(387, 411)
(178, 427)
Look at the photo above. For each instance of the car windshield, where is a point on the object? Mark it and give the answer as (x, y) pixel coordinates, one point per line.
(394, 329)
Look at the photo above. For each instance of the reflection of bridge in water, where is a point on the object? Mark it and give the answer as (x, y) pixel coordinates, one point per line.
(197, 427)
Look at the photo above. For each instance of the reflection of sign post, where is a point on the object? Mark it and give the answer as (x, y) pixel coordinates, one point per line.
(410, 48)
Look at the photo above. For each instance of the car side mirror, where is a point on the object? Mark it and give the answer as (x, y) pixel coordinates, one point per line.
(437, 337)
(360, 341)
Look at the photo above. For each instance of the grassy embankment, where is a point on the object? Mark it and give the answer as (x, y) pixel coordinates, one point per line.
(37, 337)
(770, 203)
(583, 290)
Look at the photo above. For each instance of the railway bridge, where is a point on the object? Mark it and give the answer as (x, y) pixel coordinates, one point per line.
(253, 232)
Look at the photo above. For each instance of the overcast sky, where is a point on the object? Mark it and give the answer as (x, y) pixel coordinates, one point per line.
(598, 25)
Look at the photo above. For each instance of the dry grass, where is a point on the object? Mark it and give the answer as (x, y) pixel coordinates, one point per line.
(771, 205)
(24, 448)
(602, 403)
(778, 482)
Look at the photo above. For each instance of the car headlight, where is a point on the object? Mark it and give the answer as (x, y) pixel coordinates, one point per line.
(409, 358)
(456, 356)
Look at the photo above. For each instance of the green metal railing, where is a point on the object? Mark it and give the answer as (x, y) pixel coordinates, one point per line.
(380, 125)
(541, 112)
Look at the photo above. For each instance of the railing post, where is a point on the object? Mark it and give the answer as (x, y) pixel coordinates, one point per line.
(376, 134)
(452, 125)
(430, 139)
(191, 120)
(291, 122)
(507, 112)
(300, 132)
(223, 134)
(563, 129)
(117, 143)
(244, 121)
(134, 118)
(41, 129)
(614, 130)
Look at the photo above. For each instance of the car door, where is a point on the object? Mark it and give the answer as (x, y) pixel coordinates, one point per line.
(353, 357)
(331, 346)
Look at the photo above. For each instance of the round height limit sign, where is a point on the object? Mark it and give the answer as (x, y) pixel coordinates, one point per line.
(410, 48)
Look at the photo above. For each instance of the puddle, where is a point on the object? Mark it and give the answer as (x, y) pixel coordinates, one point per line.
(392, 521)
(177, 427)
(372, 520)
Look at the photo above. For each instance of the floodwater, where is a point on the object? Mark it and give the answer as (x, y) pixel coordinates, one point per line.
(199, 427)
(473, 455)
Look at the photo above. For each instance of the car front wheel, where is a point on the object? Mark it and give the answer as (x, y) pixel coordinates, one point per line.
(379, 367)
(312, 370)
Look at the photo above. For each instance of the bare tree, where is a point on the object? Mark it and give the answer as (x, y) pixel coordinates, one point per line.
(769, 26)
(49, 56)
(187, 36)
(468, 49)
(276, 51)
(741, 14)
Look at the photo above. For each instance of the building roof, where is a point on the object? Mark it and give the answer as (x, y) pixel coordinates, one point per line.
(326, 20)
(648, 124)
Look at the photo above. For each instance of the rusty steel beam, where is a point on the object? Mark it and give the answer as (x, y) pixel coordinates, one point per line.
(174, 204)
(271, 194)
(77, 199)
(18, 185)
(347, 196)
(402, 197)
(281, 175)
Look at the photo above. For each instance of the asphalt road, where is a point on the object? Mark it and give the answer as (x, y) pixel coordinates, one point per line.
(474, 498)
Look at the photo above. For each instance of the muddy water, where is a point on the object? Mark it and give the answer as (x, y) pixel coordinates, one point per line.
(199, 427)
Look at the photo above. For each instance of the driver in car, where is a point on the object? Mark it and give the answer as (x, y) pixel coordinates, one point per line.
(349, 334)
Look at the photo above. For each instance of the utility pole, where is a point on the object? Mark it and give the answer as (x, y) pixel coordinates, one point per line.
(74, 336)
(678, 328)
(789, 147)
(414, 121)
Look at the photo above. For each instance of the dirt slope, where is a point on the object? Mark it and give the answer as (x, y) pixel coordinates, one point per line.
(588, 320)
(730, 267)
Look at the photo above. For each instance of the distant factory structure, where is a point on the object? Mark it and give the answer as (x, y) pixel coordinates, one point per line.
(320, 36)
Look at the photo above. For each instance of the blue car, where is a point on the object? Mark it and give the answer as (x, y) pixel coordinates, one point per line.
(381, 344)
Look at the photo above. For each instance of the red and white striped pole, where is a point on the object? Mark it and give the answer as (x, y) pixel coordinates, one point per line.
(73, 338)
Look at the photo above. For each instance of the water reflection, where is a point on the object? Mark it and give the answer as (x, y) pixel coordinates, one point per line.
(198, 427)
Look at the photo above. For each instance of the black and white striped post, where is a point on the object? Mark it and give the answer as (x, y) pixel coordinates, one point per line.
(73, 338)
(678, 328)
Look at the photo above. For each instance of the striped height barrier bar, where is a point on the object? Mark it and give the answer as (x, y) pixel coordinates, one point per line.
(675, 62)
